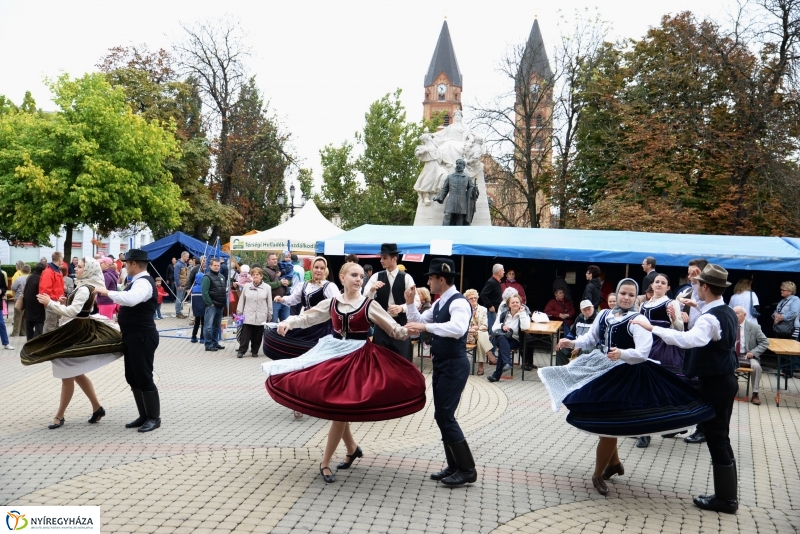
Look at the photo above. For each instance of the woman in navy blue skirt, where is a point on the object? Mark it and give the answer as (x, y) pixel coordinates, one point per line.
(610, 393)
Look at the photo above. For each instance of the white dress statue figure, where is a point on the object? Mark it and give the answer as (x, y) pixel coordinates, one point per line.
(439, 152)
(432, 175)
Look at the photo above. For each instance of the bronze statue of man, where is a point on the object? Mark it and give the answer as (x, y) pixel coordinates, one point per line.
(458, 186)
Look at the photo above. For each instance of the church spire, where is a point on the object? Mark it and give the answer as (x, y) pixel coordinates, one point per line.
(444, 59)
(534, 59)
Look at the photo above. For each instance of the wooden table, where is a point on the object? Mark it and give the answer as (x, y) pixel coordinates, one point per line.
(550, 328)
(783, 347)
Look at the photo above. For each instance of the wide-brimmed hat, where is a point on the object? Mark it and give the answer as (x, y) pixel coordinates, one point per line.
(389, 248)
(442, 267)
(136, 254)
(714, 275)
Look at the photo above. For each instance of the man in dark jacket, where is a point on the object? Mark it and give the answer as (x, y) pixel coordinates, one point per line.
(583, 323)
(213, 288)
(713, 362)
(491, 296)
(593, 292)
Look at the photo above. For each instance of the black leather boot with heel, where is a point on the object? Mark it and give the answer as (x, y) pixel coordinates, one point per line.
(466, 473)
(451, 468)
(139, 421)
(152, 407)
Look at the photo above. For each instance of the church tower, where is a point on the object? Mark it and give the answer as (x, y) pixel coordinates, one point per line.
(443, 81)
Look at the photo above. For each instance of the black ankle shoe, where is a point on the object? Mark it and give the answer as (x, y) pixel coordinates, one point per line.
(643, 442)
(697, 437)
(150, 424)
(327, 478)
(59, 425)
(356, 454)
(459, 478)
(96, 416)
(712, 503)
(444, 473)
(136, 423)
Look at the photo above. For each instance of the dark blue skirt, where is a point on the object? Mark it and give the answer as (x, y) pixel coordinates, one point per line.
(636, 400)
(295, 343)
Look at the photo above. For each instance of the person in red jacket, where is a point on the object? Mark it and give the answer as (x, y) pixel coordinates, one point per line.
(511, 281)
(561, 309)
(161, 292)
(52, 284)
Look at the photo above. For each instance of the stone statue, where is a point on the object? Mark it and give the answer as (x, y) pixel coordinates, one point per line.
(458, 189)
(432, 176)
(439, 152)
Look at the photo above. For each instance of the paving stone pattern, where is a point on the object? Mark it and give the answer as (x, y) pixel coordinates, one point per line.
(229, 459)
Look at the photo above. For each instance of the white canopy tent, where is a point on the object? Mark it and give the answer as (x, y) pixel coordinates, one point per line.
(301, 232)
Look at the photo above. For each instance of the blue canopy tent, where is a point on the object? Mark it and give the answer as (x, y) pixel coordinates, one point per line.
(586, 246)
(162, 251)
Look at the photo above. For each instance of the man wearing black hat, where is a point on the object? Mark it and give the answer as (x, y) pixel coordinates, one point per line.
(387, 288)
(447, 322)
(713, 362)
(139, 338)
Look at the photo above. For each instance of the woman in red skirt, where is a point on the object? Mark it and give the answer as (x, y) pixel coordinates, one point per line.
(345, 377)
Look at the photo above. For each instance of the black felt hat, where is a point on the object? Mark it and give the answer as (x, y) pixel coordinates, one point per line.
(442, 267)
(136, 254)
(389, 248)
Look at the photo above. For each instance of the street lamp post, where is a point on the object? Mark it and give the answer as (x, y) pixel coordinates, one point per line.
(291, 206)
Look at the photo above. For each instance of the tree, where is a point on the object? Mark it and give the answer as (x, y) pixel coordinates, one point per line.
(376, 187)
(154, 90)
(701, 132)
(92, 163)
(258, 158)
(213, 55)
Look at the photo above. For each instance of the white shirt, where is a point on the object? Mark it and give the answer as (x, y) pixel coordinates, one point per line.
(140, 291)
(520, 321)
(705, 330)
(642, 340)
(391, 275)
(460, 316)
(743, 299)
(330, 292)
(742, 342)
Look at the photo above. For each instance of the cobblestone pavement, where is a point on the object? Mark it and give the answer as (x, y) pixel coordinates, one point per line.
(229, 459)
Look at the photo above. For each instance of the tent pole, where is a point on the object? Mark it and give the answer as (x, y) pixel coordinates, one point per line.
(461, 283)
(626, 270)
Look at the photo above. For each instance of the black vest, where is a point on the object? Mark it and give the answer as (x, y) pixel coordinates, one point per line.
(309, 300)
(398, 290)
(216, 290)
(445, 348)
(718, 357)
(617, 334)
(89, 306)
(139, 317)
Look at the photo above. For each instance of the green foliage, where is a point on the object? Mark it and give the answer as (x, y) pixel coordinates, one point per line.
(376, 187)
(306, 180)
(155, 91)
(93, 163)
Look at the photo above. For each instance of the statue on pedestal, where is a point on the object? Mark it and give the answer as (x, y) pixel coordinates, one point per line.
(461, 195)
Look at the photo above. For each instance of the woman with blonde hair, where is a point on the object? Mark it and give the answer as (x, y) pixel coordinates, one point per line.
(346, 377)
(255, 302)
(84, 342)
(744, 296)
(786, 318)
(478, 333)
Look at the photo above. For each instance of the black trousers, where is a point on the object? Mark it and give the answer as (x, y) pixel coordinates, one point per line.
(252, 335)
(719, 391)
(139, 348)
(33, 329)
(448, 381)
(401, 347)
(198, 325)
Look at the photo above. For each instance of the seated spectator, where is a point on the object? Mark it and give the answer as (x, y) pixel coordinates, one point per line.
(583, 323)
(506, 331)
(478, 333)
(750, 345)
(561, 309)
(511, 282)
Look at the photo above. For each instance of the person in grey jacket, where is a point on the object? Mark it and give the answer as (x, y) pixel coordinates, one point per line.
(255, 303)
(750, 345)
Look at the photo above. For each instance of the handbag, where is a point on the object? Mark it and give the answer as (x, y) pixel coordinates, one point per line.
(783, 328)
(753, 312)
(539, 317)
(19, 304)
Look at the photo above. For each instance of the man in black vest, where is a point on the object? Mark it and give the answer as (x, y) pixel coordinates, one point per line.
(448, 322)
(214, 295)
(713, 362)
(387, 288)
(139, 338)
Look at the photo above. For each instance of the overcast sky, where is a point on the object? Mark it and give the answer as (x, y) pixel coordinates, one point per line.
(320, 63)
